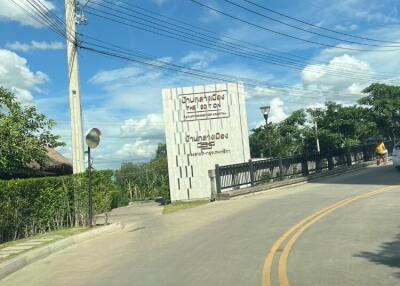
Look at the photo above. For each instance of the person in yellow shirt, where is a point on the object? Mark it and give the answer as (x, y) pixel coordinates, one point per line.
(381, 152)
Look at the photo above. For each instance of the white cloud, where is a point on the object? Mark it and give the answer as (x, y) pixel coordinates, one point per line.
(199, 60)
(347, 28)
(127, 76)
(264, 92)
(15, 74)
(316, 106)
(148, 133)
(208, 14)
(140, 149)
(149, 127)
(12, 12)
(321, 76)
(160, 2)
(277, 112)
(34, 45)
(369, 11)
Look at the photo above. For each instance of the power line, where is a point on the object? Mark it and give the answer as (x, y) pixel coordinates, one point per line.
(38, 18)
(178, 68)
(44, 11)
(248, 45)
(284, 34)
(316, 26)
(195, 40)
(305, 30)
(251, 44)
(198, 74)
(342, 72)
(193, 72)
(200, 41)
(57, 22)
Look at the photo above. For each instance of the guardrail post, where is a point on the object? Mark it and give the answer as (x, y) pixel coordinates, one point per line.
(251, 167)
(331, 166)
(304, 166)
(217, 179)
(365, 153)
(348, 156)
(211, 175)
(318, 163)
(281, 175)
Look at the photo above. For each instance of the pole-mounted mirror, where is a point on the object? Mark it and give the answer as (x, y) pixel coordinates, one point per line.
(93, 138)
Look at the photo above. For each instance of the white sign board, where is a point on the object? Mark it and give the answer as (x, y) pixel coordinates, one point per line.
(204, 126)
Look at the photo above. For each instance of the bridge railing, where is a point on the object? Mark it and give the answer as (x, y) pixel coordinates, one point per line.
(264, 171)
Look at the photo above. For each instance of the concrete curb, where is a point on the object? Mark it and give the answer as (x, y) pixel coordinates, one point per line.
(24, 259)
(301, 180)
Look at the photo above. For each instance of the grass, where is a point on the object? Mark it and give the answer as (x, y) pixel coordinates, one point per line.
(62, 233)
(179, 206)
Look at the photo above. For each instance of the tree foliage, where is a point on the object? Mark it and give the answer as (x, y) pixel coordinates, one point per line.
(24, 133)
(383, 106)
(146, 180)
(376, 115)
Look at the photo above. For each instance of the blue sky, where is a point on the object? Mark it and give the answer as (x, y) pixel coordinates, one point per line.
(123, 99)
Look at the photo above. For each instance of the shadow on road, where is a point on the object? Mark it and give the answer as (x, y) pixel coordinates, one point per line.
(388, 254)
(383, 175)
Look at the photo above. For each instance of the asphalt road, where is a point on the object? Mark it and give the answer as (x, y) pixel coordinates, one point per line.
(343, 230)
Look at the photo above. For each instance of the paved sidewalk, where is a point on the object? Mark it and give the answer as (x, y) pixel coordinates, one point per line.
(134, 213)
(26, 245)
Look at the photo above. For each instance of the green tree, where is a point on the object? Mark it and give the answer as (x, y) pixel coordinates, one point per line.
(161, 151)
(284, 138)
(145, 180)
(338, 126)
(383, 105)
(159, 166)
(24, 133)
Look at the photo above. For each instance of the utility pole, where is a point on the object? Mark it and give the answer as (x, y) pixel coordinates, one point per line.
(73, 84)
(316, 136)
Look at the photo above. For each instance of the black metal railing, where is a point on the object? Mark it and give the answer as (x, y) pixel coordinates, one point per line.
(257, 172)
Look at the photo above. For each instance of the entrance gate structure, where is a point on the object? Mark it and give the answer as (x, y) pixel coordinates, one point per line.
(204, 126)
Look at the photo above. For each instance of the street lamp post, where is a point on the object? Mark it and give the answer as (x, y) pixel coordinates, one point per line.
(265, 112)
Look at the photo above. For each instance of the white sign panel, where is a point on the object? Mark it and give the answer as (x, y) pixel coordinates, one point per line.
(204, 126)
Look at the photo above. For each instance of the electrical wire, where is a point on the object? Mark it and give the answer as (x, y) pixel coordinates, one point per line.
(38, 18)
(128, 56)
(304, 30)
(317, 26)
(342, 73)
(285, 34)
(339, 73)
(187, 71)
(249, 45)
(227, 47)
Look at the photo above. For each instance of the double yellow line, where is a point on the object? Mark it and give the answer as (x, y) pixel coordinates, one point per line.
(296, 231)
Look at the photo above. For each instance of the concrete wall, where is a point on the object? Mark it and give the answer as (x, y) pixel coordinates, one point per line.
(204, 126)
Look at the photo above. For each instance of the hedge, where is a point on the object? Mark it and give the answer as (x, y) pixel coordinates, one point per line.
(32, 206)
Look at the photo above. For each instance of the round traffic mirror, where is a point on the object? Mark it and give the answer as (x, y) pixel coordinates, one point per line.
(93, 137)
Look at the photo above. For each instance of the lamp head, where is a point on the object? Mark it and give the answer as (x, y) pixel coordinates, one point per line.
(265, 111)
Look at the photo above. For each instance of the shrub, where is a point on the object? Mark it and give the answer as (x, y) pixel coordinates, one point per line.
(31, 206)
